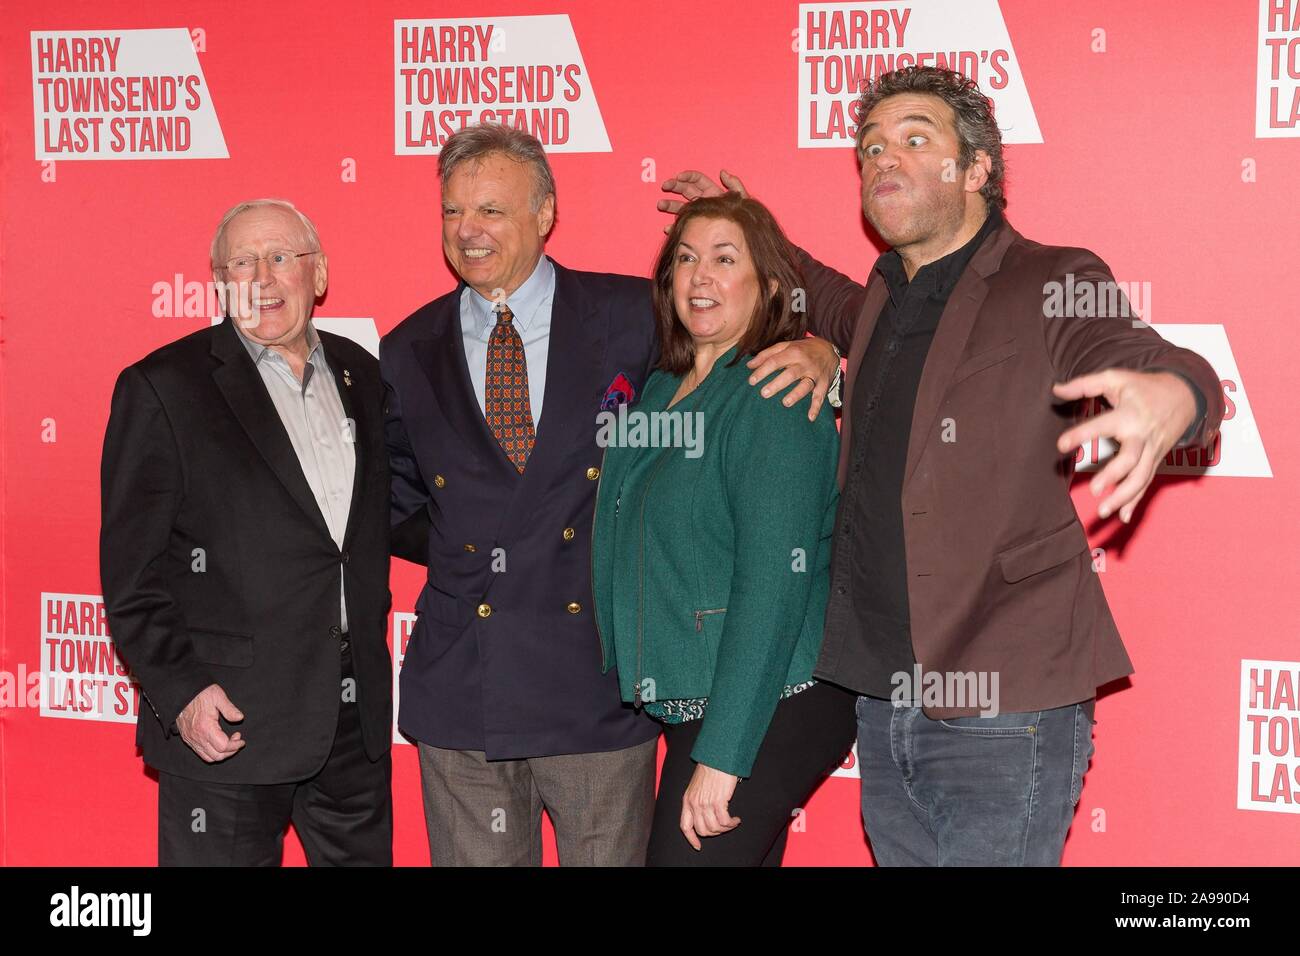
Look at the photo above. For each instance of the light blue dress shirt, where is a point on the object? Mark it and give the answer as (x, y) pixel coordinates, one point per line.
(531, 305)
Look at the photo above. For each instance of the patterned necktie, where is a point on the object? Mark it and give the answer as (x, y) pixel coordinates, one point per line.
(509, 413)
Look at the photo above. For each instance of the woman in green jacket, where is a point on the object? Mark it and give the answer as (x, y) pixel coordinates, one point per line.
(711, 549)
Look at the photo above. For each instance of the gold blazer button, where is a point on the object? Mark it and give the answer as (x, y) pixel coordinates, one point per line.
(439, 481)
(484, 610)
(593, 474)
(573, 607)
(568, 534)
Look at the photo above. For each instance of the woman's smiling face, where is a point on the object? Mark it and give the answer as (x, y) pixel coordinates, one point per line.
(715, 285)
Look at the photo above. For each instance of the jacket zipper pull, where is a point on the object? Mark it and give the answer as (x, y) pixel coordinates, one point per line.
(699, 621)
(617, 501)
(636, 695)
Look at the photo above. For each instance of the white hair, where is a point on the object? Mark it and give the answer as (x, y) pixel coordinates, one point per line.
(219, 239)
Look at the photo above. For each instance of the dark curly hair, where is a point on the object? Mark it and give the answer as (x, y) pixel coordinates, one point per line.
(976, 128)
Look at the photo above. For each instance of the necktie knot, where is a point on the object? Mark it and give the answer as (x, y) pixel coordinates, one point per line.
(504, 315)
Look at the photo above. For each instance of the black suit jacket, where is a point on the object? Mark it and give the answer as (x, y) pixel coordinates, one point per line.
(218, 567)
(505, 657)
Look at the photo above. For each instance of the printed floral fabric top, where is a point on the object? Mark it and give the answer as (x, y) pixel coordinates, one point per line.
(680, 711)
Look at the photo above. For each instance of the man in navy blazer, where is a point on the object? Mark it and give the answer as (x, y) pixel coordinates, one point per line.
(501, 686)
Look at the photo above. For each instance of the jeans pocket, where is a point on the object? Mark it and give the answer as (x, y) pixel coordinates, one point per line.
(1001, 725)
(1083, 751)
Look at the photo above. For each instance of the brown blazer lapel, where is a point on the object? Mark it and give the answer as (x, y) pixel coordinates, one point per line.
(950, 338)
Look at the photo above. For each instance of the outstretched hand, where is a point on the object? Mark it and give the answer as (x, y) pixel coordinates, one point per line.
(1149, 412)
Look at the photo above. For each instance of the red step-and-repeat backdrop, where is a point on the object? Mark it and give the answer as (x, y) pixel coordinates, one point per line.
(1162, 135)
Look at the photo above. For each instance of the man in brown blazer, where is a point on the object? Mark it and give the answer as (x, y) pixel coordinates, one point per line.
(964, 609)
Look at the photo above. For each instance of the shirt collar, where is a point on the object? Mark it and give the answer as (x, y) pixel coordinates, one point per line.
(258, 351)
(523, 303)
(940, 277)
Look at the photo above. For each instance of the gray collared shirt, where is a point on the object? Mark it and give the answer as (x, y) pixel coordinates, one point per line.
(311, 411)
(531, 306)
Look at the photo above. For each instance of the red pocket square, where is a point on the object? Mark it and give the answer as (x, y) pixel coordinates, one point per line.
(620, 392)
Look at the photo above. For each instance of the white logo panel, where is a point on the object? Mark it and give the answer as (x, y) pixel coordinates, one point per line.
(122, 94)
(843, 44)
(525, 72)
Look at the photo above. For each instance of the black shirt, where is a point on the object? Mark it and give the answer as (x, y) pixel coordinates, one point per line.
(871, 514)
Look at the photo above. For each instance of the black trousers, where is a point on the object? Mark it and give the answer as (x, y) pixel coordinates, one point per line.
(809, 735)
(343, 815)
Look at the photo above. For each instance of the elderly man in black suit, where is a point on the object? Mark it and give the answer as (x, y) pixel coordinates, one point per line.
(244, 557)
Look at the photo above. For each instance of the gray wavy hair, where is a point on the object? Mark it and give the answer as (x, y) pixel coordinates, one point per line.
(476, 142)
(218, 254)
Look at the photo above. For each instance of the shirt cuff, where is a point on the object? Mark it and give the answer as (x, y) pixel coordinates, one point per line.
(1200, 405)
(833, 394)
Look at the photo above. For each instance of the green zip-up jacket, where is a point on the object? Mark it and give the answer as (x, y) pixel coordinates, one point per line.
(711, 562)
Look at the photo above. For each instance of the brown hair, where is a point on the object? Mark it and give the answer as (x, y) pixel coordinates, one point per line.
(774, 319)
(973, 112)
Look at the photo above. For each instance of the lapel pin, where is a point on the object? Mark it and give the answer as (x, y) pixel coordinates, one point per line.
(347, 378)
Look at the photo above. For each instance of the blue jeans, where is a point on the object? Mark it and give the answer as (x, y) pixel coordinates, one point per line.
(970, 791)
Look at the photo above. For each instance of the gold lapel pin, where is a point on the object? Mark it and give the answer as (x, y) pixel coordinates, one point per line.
(347, 378)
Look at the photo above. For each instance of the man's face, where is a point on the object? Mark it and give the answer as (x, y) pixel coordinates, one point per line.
(273, 307)
(912, 190)
(490, 233)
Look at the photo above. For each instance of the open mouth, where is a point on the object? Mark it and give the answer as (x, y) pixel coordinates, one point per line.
(476, 253)
(701, 303)
(267, 305)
